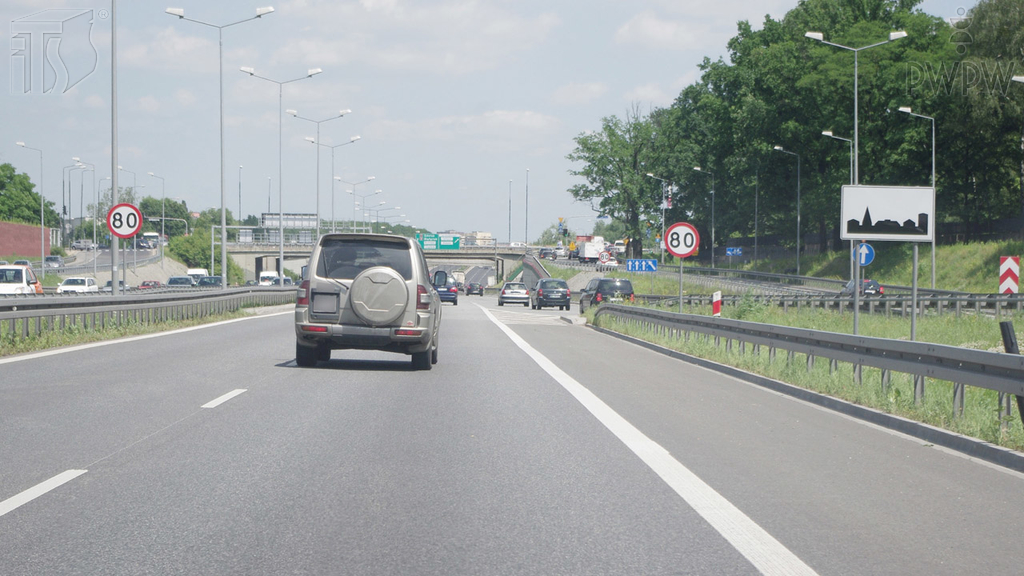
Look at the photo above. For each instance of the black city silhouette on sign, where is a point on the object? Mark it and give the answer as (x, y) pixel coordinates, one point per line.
(908, 227)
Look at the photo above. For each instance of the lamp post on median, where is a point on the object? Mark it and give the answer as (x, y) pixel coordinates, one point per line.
(698, 169)
(354, 196)
(784, 151)
(42, 213)
(280, 159)
(856, 59)
(260, 12)
(295, 114)
(908, 110)
(84, 166)
(671, 186)
(163, 200)
(316, 141)
(850, 142)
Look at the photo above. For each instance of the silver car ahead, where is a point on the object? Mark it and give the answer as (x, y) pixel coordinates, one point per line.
(514, 293)
(368, 292)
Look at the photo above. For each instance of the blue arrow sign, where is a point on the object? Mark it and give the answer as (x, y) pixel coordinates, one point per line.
(641, 265)
(736, 251)
(866, 254)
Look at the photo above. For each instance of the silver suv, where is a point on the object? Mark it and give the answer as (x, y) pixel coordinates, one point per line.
(368, 292)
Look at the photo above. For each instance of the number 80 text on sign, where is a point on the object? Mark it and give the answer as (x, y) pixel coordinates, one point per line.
(682, 239)
(124, 220)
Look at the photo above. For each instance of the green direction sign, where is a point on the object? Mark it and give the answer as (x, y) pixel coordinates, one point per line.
(440, 241)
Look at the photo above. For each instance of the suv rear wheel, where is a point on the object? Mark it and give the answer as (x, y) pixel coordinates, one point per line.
(306, 356)
(421, 360)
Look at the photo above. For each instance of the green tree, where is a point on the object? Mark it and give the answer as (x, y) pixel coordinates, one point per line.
(20, 203)
(614, 161)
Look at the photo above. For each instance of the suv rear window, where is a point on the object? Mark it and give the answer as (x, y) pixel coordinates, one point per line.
(617, 285)
(344, 259)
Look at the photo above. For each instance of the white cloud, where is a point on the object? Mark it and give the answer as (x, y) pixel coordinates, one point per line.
(148, 104)
(651, 31)
(185, 97)
(169, 49)
(579, 93)
(95, 101)
(649, 94)
(449, 37)
(498, 129)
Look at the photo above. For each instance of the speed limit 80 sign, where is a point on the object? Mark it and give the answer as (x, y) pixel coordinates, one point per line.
(124, 220)
(682, 239)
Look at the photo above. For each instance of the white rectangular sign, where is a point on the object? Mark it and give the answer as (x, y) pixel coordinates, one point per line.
(888, 213)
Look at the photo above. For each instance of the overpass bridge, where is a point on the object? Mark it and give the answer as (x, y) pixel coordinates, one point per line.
(255, 257)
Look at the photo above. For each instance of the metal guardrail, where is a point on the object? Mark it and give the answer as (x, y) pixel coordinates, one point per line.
(24, 318)
(1003, 373)
(996, 304)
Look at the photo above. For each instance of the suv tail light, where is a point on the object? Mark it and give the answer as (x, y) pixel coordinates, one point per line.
(422, 297)
(631, 298)
(597, 297)
(881, 289)
(302, 296)
(568, 293)
(540, 291)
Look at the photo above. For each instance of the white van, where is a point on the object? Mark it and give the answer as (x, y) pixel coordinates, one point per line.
(197, 273)
(268, 278)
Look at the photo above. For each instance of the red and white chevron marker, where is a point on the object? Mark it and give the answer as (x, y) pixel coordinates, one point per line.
(1009, 274)
(716, 304)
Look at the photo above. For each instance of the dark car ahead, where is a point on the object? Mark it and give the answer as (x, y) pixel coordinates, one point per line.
(601, 290)
(868, 288)
(449, 291)
(550, 292)
(474, 288)
(208, 282)
(548, 253)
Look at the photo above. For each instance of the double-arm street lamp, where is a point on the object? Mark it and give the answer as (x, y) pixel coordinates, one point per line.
(698, 169)
(42, 213)
(671, 187)
(908, 110)
(784, 151)
(280, 162)
(85, 166)
(67, 210)
(354, 196)
(180, 13)
(317, 142)
(856, 55)
(295, 114)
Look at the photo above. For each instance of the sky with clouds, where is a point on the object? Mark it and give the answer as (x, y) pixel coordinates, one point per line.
(452, 99)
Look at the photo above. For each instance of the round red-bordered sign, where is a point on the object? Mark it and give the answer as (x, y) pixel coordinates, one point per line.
(604, 257)
(124, 220)
(682, 239)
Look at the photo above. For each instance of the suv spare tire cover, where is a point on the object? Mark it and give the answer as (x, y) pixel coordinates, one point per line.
(379, 295)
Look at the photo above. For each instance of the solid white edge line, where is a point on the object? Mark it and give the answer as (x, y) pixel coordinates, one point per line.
(766, 553)
(54, 352)
(218, 401)
(38, 490)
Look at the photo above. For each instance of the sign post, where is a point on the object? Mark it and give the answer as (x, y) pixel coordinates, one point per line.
(681, 241)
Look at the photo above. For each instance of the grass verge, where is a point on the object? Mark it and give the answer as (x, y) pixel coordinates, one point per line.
(981, 411)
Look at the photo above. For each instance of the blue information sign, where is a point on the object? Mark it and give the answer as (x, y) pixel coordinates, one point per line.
(736, 251)
(641, 265)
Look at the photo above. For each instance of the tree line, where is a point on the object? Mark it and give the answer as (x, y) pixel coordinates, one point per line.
(780, 88)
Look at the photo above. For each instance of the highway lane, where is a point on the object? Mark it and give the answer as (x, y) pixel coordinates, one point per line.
(485, 464)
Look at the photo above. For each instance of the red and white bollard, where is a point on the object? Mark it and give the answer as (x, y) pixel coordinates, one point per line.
(716, 304)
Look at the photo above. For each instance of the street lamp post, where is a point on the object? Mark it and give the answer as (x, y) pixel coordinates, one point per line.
(850, 142)
(354, 196)
(84, 166)
(280, 159)
(295, 114)
(671, 186)
(238, 216)
(163, 200)
(95, 216)
(67, 210)
(910, 111)
(333, 177)
(510, 212)
(42, 213)
(784, 151)
(856, 58)
(698, 169)
(180, 13)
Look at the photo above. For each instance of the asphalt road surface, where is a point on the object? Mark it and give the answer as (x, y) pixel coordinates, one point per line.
(534, 446)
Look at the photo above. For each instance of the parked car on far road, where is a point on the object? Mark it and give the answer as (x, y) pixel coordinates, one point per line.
(19, 279)
(79, 284)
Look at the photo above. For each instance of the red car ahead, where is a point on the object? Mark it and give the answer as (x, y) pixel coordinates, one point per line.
(149, 284)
